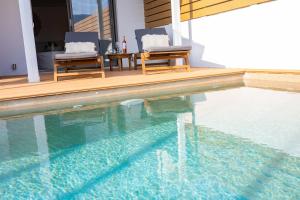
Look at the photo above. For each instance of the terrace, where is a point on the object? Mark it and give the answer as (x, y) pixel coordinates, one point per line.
(223, 123)
(208, 61)
(17, 95)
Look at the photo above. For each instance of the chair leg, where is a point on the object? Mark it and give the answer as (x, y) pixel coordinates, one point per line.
(143, 63)
(100, 61)
(187, 62)
(102, 68)
(55, 72)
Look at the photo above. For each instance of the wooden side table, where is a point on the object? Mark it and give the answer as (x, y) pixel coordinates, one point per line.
(119, 57)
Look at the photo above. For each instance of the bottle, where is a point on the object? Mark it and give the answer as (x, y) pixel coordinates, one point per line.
(124, 45)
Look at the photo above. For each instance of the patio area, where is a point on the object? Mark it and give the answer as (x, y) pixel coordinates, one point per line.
(15, 88)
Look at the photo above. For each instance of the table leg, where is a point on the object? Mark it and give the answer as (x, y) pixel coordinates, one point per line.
(120, 64)
(135, 61)
(110, 65)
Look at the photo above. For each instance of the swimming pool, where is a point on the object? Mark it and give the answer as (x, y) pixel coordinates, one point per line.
(241, 143)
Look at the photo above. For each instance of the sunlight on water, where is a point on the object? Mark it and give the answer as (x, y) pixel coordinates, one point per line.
(215, 145)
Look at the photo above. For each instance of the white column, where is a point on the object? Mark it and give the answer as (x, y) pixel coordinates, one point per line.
(176, 26)
(29, 42)
(176, 22)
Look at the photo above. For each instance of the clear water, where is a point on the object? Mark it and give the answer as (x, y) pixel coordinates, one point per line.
(164, 148)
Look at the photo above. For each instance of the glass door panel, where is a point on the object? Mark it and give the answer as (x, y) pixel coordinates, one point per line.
(95, 16)
(106, 20)
(85, 16)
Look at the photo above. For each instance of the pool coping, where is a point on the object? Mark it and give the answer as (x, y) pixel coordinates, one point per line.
(246, 77)
(89, 97)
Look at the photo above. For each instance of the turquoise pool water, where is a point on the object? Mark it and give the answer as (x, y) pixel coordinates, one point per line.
(194, 146)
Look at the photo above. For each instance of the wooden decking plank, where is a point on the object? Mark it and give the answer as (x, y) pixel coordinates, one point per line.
(114, 80)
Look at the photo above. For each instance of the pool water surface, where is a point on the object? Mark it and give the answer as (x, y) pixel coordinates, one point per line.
(241, 143)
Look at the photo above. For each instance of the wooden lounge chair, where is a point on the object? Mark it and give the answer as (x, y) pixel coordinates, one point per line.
(160, 53)
(70, 62)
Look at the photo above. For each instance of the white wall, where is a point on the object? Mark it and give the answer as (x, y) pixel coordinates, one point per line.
(130, 16)
(17, 39)
(11, 39)
(260, 36)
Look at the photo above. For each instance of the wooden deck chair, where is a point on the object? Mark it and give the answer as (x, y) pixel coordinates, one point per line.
(160, 53)
(67, 61)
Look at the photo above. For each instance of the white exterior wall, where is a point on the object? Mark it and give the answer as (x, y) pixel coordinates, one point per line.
(17, 40)
(263, 36)
(11, 39)
(130, 16)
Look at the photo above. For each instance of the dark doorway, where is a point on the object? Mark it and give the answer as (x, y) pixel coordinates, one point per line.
(53, 18)
(51, 22)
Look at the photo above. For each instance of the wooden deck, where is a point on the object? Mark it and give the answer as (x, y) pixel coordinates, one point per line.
(17, 87)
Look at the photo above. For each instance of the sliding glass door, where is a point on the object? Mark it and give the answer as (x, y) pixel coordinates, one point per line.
(94, 16)
(107, 19)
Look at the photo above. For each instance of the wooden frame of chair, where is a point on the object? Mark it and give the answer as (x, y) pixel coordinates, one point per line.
(75, 62)
(137, 56)
(146, 56)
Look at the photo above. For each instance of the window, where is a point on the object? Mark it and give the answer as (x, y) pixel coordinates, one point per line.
(94, 16)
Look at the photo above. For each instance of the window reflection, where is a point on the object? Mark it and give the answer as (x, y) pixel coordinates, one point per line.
(92, 16)
(106, 21)
(85, 15)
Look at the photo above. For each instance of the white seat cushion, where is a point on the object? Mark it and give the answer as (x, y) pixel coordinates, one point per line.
(80, 47)
(76, 56)
(150, 41)
(169, 49)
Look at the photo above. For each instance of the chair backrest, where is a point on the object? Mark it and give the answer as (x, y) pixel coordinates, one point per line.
(83, 37)
(139, 33)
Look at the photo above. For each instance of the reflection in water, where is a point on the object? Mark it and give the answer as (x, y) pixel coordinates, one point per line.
(185, 124)
(43, 153)
(53, 133)
(181, 119)
(152, 148)
(265, 117)
(197, 100)
(41, 135)
(4, 143)
(165, 165)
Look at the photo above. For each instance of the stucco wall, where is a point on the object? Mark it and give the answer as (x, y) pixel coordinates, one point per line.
(11, 39)
(260, 36)
(130, 16)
